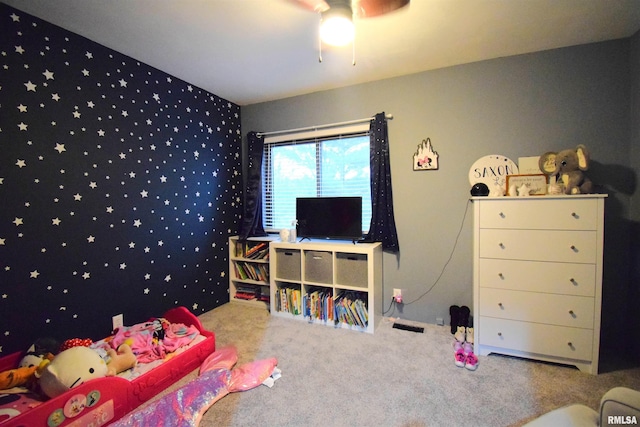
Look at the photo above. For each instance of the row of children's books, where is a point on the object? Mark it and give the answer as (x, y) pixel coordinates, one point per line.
(252, 271)
(259, 251)
(348, 307)
(248, 292)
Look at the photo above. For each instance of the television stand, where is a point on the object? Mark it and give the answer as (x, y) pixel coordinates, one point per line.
(326, 282)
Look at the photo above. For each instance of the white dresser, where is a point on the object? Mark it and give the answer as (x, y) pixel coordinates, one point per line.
(537, 277)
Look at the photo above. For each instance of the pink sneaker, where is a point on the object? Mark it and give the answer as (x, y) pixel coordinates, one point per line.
(467, 348)
(460, 358)
(471, 362)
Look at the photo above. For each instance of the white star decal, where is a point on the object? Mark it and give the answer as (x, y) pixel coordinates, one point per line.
(137, 223)
(56, 221)
(48, 75)
(86, 275)
(91, 239)
(167, 278)
(14, 17)
(60, 148)
(18, 221)
(77, 197)
(123, 266)
(144, 193)
(22, 108)
(21, 163)
(20, 50)
(22, 126)
(34, 274)
(109, 209)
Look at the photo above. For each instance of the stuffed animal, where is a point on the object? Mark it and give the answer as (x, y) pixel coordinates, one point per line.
(70, 368)
(17, 377)
(570, 166)
(120, 360)
(25, 374)
(79, 364)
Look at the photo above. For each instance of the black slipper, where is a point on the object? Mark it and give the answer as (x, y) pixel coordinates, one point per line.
(464, 316)
(454, 311)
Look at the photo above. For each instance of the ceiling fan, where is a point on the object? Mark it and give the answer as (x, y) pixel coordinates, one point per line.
(336, 17)
(360, 8)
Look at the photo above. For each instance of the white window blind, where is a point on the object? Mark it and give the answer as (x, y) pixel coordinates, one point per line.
(322, 163)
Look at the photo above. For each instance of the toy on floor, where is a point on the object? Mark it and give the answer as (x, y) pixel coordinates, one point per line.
(187, 405)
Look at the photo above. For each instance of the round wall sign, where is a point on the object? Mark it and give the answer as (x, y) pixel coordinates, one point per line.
(492, 170)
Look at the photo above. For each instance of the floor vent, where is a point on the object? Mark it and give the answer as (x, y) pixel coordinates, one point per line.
(408, 327)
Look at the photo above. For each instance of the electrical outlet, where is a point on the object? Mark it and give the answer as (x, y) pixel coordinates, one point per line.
(117, 321)
(397, 295)
(439, 321)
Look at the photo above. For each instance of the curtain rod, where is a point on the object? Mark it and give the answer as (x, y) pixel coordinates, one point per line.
(329, 125)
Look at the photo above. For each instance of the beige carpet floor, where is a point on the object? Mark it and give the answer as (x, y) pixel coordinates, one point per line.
(336, 377)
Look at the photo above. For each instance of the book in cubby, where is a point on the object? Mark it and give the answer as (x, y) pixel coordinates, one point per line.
(288, 299)
(249, 270)
(351, 308)
(318, 304)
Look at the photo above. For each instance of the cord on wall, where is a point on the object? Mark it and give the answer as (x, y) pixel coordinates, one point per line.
(466, 209)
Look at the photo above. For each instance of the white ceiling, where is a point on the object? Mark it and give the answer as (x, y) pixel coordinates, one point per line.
(250, 51)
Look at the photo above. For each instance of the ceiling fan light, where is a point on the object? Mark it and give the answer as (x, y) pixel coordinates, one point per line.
(337, 28)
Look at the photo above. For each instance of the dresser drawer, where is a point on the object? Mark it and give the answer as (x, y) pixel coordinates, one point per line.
(538, 276)
(539, 245)
(558, 341)
(540, 214)
(562, 310)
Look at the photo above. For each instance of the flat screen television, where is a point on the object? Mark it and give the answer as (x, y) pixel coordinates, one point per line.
(329, 217)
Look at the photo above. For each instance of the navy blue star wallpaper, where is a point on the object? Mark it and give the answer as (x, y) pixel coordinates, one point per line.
(119, 185)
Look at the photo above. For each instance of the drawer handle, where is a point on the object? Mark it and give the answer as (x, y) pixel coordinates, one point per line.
(501, 245)
(499, 334)
(572, 280)
(572, 313)
(573, 248)
(500, 305)
(575, 215)
(500, 275)
(570, 344)
(501, 215)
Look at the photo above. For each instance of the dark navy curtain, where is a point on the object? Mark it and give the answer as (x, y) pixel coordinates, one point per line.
(251, 225)
(383, 223)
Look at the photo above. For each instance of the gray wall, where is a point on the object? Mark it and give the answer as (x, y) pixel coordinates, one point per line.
(516, 106)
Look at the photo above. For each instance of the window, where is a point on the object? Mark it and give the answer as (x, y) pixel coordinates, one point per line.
(314, 165)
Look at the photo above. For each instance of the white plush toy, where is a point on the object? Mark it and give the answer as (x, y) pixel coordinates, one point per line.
(71, 368)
